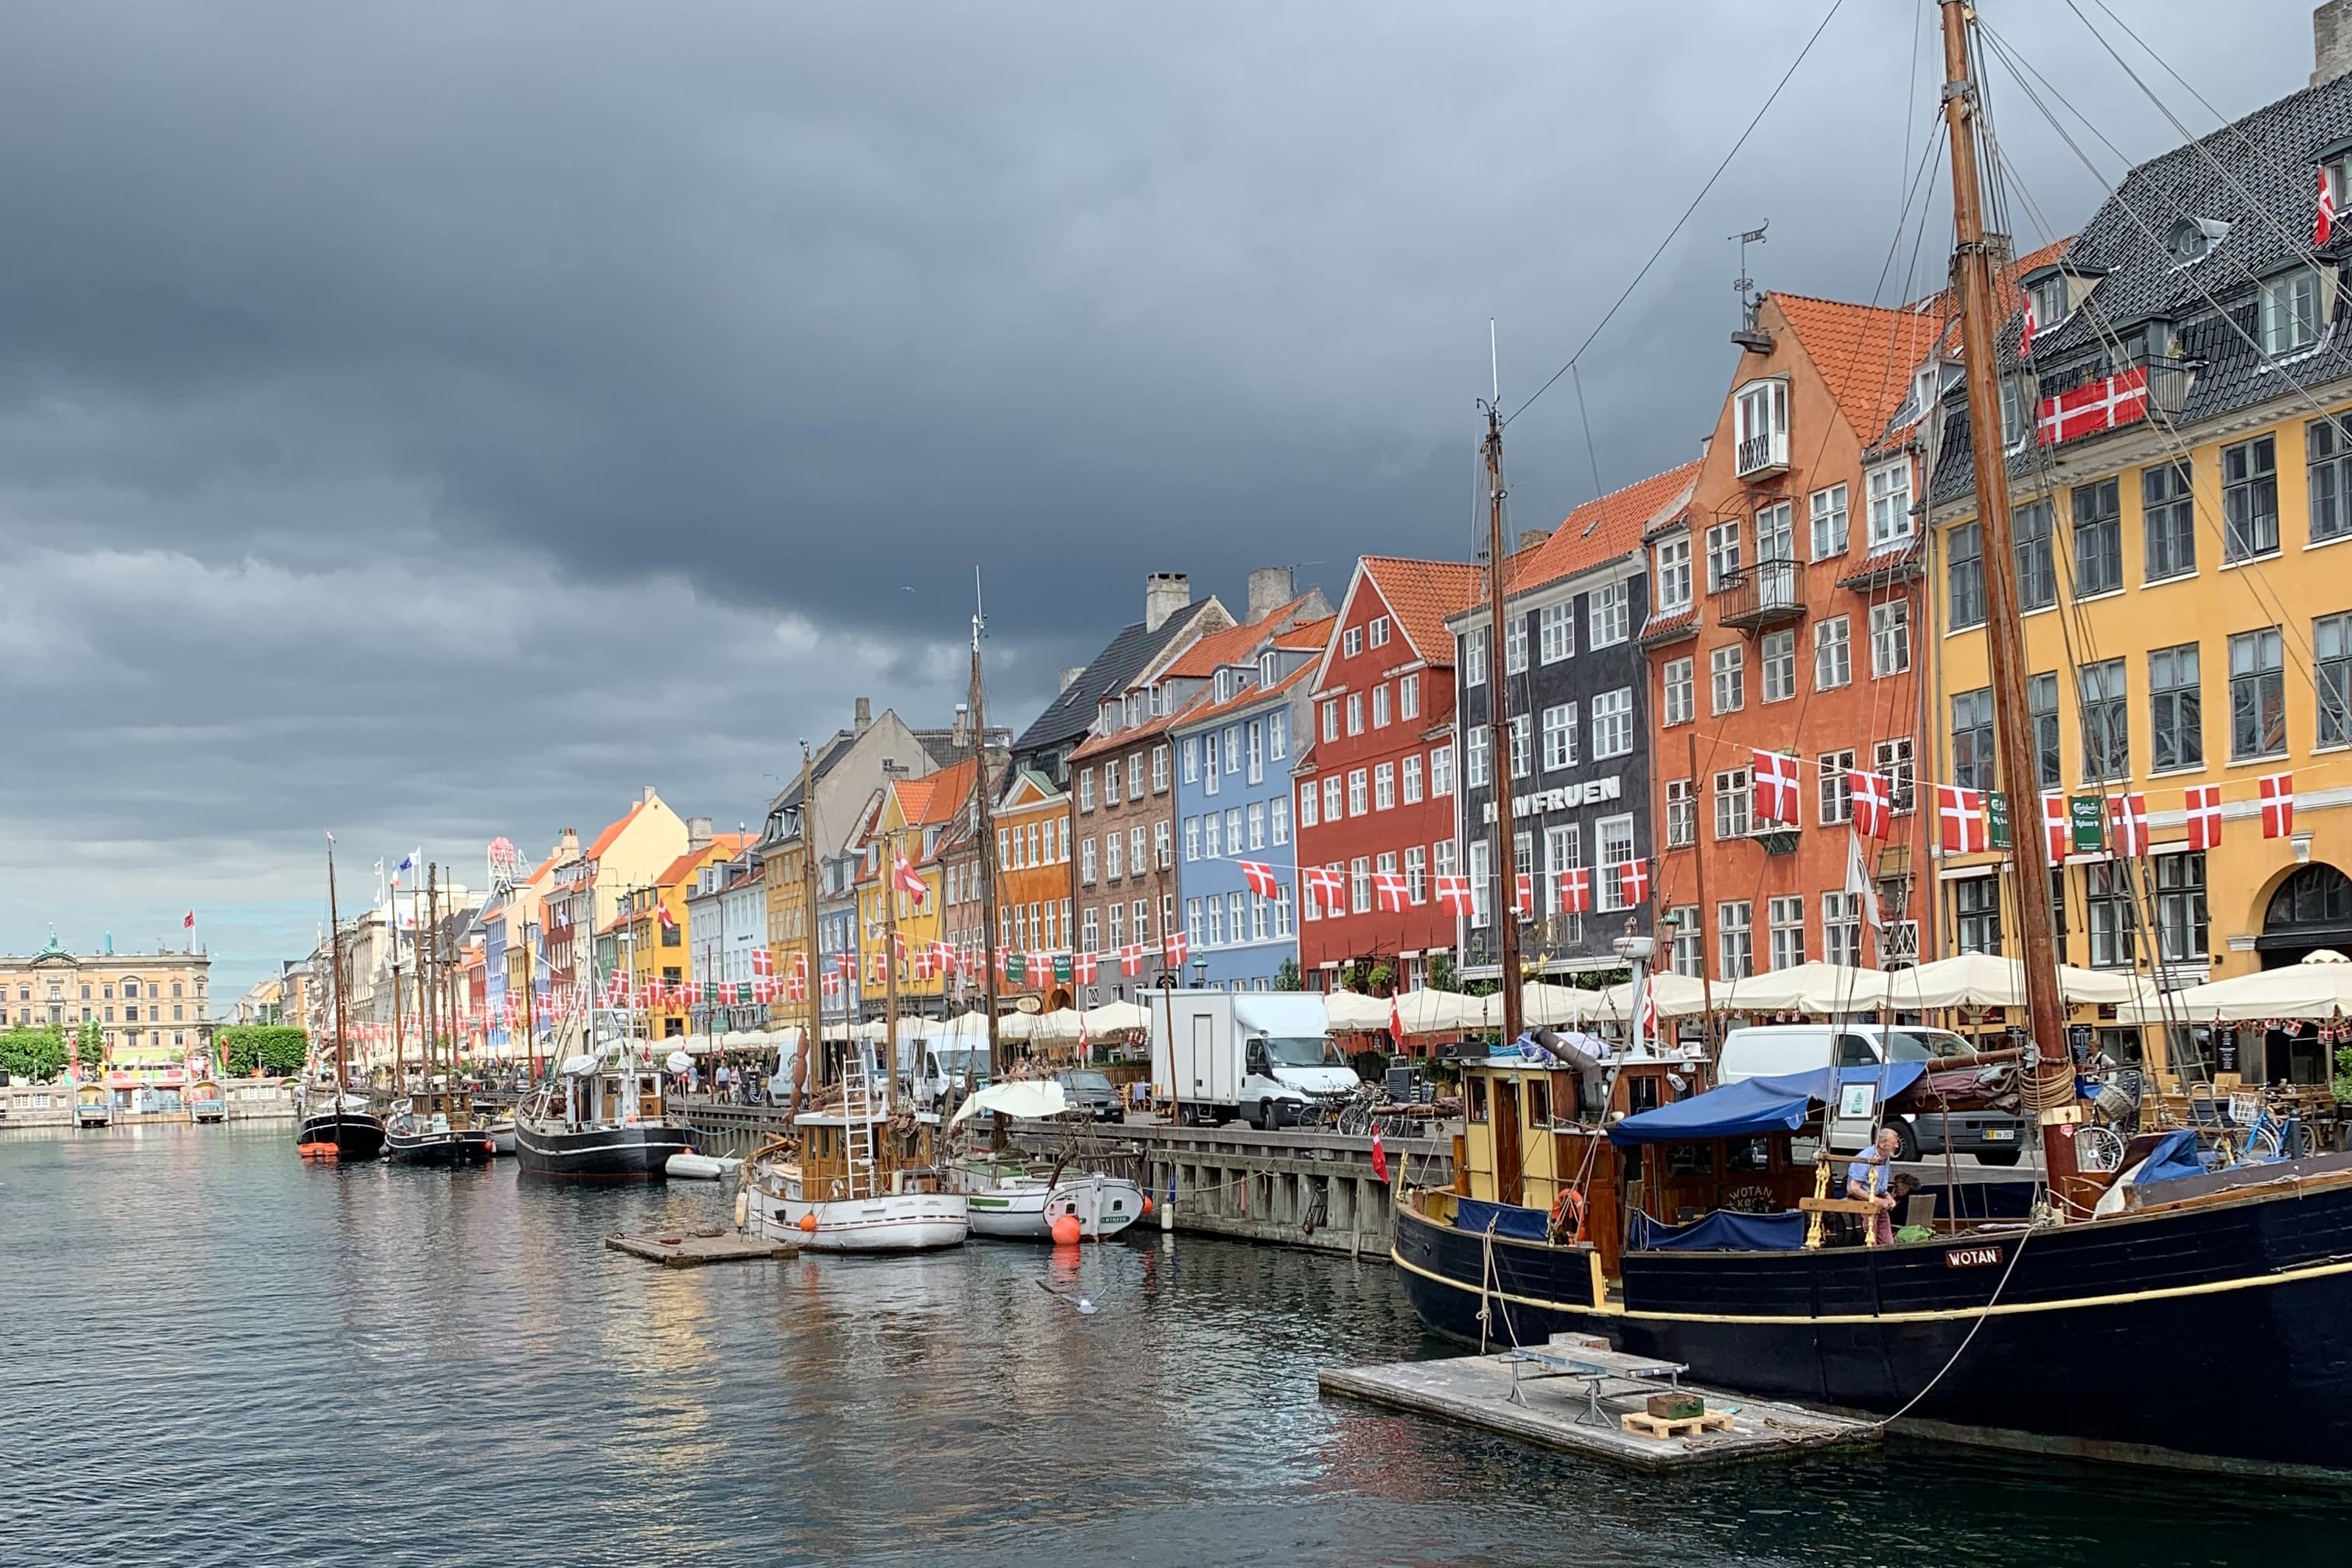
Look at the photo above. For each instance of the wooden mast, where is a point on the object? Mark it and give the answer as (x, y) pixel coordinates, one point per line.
(2051, 1089)
(803, 1079)
(1506, 883)
(335, 978)
(984, 823)
(391, 927)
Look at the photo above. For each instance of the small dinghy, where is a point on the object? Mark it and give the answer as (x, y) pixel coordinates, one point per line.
(698, 1167)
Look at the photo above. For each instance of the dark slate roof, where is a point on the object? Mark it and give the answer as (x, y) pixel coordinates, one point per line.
(828, 755)
(2264, 189)
(1072, 713)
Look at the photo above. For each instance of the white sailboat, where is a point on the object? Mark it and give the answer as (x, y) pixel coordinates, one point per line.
(855, 1183)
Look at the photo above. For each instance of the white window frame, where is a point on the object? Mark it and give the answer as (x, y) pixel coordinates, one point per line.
(1776, 665)
(1556, 632)
(1560, 736)
(1674, 574)
(1833, 653)
(1726, 679)
(1612, 723)
(1890, 638)
(1890, 502)
(1831, 527)
(1678, 692)
(1609, 615)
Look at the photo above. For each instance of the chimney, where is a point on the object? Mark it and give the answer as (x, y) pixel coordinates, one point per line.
(567, 846)
(645, 795)
(1164, 593)
(1531, 537)
(1269, 590)
(865, 714)
(961, 734)
(698, 833)
(2331, 41)
(1070, 673)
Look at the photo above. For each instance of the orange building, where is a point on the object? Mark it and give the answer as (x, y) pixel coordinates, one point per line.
(1785, 616)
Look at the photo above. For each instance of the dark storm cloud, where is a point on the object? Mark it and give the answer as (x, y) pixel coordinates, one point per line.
(491, 383)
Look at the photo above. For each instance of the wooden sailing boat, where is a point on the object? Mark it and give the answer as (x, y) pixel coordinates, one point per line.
(331, 1122)
(1013, 1196)
(853, 1175)
(2092, 1325)
(432, 1120)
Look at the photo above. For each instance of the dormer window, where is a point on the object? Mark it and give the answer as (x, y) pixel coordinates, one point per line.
(2337, 170)
(1266, 667)
(2193, 238)
(1134, 709)
(1225, 685)
(2289, 311)
(2050, 303)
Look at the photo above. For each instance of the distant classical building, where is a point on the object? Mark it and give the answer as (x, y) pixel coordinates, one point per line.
(149, 1007)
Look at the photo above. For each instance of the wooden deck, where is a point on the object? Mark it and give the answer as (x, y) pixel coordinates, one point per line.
(1476, 1391)
(684, 1249)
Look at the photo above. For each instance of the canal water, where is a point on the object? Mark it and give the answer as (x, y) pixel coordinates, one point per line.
(217, 1356)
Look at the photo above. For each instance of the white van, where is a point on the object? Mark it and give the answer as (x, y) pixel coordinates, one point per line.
(1769, 1050)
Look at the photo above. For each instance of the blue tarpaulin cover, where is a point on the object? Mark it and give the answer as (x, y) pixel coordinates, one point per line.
(1722, 1231)
(1508, 1219)
(1755, 1105)
(2174, 1158)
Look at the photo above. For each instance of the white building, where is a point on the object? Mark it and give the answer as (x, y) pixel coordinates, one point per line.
(726, 923)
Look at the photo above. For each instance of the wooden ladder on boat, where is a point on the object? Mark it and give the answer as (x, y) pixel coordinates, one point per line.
(857, 1112)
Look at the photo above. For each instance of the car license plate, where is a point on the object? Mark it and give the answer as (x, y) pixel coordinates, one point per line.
(2000, 1134)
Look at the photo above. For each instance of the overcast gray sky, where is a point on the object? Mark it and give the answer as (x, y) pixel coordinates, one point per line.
(438, 420)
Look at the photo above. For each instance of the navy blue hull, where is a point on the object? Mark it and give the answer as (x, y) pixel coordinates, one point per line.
(598, 1153)
(2218, 1337)
(352, 1134)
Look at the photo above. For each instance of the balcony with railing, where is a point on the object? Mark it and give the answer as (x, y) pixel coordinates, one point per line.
(1764, 594)
(1761, 455)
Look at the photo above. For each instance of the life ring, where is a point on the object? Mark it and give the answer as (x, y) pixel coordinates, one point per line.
(1571, 1203)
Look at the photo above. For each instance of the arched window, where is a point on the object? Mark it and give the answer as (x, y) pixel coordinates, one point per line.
(2314, 896)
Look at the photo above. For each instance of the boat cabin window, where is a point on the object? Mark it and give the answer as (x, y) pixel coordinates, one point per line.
(1475, 1100)
(1747, 1154)
(1641, 1093)
(1539, 1102)
(1690, 1159)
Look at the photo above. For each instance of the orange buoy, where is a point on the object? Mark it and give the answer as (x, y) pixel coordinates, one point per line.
(1147, 1206)
(1066, 1230)
(808, 1221)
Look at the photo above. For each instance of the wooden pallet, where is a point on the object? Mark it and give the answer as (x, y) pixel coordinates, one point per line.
(1642, 1424)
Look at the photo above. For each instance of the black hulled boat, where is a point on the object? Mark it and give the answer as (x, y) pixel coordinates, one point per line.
(599, 1118)
(344, 1128)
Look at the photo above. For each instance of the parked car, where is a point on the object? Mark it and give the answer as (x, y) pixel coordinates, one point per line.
(1994, 1137)
(1093, 1093)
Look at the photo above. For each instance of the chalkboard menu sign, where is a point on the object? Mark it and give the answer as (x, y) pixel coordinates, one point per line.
(2225, 1050)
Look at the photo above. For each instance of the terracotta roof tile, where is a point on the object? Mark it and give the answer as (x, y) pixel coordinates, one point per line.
(1195, 713)
(1604, 527)
(1421, 593)
(1661, 629)
(1308, 637)
(1864, 354)
(1231, 645)
(688, 864)
(1095, 745)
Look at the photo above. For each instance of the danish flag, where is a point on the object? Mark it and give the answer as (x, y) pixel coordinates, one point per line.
(2323, 223)
(1633, 882)
(1396, 1033)
(1130, 959)
(668, 921)
(1082, 968)
(2127, 817)
(2055, 825)
(833, 984)
(2204, 809)
(1960, 814)
(1775, 788)
(1041, 969)
(1454, 892)
(2025, 328)
(1172, 947)
(1389, 887)
(2278, 805)
(908, 881)
(1867, 792)
(1575, 890)
(764, 962)
(844, 963)
(926, 961)
(795, 989)
(1523, 893)
(1260, 877)
(1327, 884)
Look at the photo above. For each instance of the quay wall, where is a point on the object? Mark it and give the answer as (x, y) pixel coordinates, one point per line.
(1303, 1188)
(52, 1104)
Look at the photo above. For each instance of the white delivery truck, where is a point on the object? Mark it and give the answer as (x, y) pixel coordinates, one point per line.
(1267, 1056)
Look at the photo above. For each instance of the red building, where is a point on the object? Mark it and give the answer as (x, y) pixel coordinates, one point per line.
(1375, 790)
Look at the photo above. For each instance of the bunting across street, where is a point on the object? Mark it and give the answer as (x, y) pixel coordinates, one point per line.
(1959, 819)
(1575, 890)
(1775, 773)
(1389, 891)
(1633, 882)
(2278, 805)
(2128, 824)
(1454, 893)
(1260, 877)
(1867, 793)
(2057, 831)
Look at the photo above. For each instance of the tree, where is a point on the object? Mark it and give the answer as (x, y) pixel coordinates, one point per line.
(278, 1049)
(1286, 977)
(1381, 981)
(36, 1054)
(1441, 973)
(90, 1050)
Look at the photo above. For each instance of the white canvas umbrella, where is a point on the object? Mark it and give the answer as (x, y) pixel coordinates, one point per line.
(1833, 989)
(1016, 1026)
(1354, 1010)
(1437, 1012)
(1552, 1006)
(2319, 987)
(1988, 980)
(1059, 1027)
(1675, 997)
(1115, 1018)
(1029, 1098)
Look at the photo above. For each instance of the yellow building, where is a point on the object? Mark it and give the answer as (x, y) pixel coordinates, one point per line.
(652, 926)
(2182, 471)
(149, 1009)
(913, 824)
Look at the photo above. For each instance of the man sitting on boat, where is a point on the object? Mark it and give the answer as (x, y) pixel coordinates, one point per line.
(1868, 1180)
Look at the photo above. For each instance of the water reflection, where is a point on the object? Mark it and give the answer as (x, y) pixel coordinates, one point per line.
(223, 1357)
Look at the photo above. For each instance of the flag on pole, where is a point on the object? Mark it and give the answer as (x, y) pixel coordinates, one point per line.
(1396, 1021)
(2323, 223)
(1379, 1154)
(2025, 328)
(1858, 880)
(188, 921)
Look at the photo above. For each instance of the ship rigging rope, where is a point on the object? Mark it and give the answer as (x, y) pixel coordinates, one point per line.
(1966, 1340)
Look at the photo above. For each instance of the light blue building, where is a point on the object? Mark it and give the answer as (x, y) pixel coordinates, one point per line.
(1234, 745)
